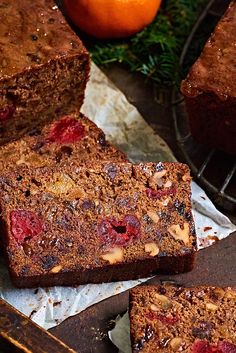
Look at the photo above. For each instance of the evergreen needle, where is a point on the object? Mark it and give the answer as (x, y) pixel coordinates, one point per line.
(156, 50)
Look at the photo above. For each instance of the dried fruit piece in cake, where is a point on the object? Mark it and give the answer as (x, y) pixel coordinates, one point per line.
(180, 319)
(44, 66)
(25, 225)
(67, 130)
(119, 232)
(96, 223)
(73, 138)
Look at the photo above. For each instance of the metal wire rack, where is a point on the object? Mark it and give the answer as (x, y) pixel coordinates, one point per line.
(214, 170)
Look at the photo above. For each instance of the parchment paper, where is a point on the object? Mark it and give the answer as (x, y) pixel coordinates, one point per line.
(124, 126)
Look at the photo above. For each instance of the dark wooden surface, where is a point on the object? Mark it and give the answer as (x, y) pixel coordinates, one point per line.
(25, 336)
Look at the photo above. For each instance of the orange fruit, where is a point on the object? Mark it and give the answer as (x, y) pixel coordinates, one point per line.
(111, 18)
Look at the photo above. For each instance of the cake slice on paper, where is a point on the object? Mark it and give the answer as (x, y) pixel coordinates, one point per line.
(105, 222)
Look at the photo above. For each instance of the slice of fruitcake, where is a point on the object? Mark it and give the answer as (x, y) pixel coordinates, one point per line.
(73, 138)
(176, 319)
(105, 222)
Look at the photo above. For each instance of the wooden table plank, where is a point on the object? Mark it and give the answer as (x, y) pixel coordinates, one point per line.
(25, 335)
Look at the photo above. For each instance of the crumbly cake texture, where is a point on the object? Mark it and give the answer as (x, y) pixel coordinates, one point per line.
(177, 319)
(43, 66)
(109, 222)
(71, 139)
(210, 90)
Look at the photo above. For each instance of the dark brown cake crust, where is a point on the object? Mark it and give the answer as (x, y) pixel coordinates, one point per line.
(43, 66)
(176, 319)
(107, 222)
(210, 90)
(212, 121)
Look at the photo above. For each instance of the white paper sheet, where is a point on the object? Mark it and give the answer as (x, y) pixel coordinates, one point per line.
(125, 127)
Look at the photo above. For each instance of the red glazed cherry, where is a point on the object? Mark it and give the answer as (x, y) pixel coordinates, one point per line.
(115, 232)
(202, 346)
(157, 194)
(151, 315)
(25, 225)
(6, 113)
(168, 319)
(227, 347)
(66, 130)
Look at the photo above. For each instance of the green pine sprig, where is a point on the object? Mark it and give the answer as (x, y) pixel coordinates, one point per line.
(155, 51)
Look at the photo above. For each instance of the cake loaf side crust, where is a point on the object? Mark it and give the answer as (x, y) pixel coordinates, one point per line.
(141, 268)
(212, 121)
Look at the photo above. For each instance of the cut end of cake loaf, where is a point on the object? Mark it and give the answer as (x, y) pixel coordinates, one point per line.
(210, 90)
(44, 66)
(107, 222)
(73, 139)
(175, 319)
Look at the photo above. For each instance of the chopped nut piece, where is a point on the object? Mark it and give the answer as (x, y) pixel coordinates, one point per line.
(211, 307)
(180, 234)
(217, 293)
(32, 160)
(33, 191)
(96, 202)
(230, 294)
(113, 256)
(175, 343)
(168, 184)
(159, 175)
(56, 269)
(152, 248)
(156, 179)
(165, 202)
(64, 185)
(153, 307)
(21, 161)
(163, 300)
(153, 215)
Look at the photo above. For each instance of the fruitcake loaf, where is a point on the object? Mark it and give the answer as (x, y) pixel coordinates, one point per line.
(43, 66)
(210, 89)
(176, 319)
(71, 139)
(107, 222)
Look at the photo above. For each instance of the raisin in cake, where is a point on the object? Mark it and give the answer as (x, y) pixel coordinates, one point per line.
(106, 222)
(210, 88)
(71, 139)
(43, 66)
(175, 319)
